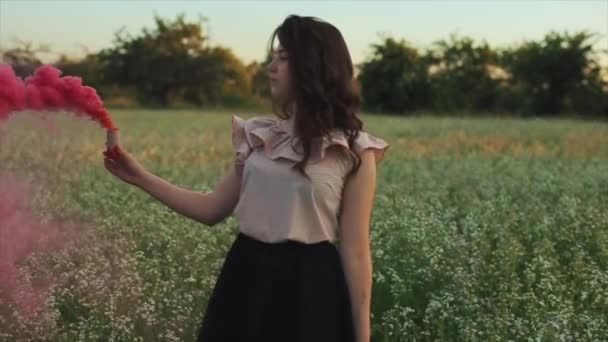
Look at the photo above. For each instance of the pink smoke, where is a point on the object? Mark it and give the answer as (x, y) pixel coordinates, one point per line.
(46, 90)
(21, 234)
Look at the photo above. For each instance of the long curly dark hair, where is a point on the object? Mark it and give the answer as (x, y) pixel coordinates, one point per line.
(325, 91)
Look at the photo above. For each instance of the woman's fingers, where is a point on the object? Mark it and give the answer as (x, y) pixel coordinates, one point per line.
(118, 150)
(113, 153)
(109, 163)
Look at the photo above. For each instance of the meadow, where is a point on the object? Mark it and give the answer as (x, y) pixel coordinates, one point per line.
(483, 229)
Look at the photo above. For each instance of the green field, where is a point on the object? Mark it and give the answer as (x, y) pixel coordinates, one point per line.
(482, 229)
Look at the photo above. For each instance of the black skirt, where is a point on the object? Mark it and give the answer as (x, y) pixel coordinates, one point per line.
(287, 291)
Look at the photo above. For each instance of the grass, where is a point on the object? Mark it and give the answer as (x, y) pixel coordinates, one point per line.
(484, 229)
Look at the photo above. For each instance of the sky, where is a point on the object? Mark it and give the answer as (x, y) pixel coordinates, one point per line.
(72, 27)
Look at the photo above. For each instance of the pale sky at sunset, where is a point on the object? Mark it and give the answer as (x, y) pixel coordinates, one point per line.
(245, 26)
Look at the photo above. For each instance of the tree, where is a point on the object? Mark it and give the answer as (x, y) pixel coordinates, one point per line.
(157, 61)
(394, 78)
(461, 75)
(24, 57)
(221, 77)
(260, 85)
(550, 71)
(88, 68)
(174, 60)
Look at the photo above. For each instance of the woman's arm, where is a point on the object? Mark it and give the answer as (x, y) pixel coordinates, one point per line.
(354, 246)
(207, 208)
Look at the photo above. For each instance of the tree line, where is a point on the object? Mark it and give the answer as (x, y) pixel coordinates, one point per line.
(174, 65)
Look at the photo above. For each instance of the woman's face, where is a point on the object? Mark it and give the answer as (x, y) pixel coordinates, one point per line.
(278, 75)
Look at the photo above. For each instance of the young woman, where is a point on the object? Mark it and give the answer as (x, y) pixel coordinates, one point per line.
(302, 188)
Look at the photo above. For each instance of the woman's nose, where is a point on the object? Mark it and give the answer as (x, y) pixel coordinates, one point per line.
(270, 67)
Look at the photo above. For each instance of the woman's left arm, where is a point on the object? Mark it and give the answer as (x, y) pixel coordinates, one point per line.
(354, 246)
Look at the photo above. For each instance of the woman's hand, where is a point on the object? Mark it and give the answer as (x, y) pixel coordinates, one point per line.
(121, 163)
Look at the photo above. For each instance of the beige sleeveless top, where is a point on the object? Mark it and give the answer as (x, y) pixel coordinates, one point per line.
(278, 204)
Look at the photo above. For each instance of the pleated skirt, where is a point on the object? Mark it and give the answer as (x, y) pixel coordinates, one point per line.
(286, 291)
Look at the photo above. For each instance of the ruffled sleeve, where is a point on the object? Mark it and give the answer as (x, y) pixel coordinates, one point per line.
(240, 144)
(276, 139)
(366, 140)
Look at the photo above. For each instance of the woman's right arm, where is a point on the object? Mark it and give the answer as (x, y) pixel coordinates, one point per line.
(208, 208)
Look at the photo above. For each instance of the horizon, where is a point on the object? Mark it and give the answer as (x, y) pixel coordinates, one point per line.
(98, 21)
